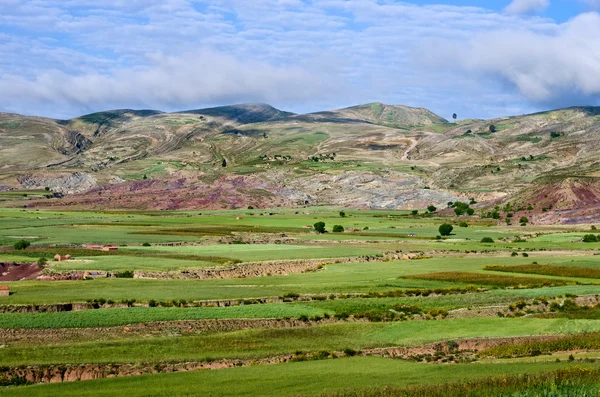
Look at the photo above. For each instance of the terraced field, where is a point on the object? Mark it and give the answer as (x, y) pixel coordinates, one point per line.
(190, 300)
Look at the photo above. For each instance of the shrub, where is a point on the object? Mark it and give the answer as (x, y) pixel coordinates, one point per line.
(342, 214)
(525, 255)
(366, 228)
(431, 208)
(594, 227)
(152, 303)
(470, 211)
(463, 224)
(320, 227)
(338, 229)
(524, 219)
(146, 245)
(42, 262)
(487, 240)
(590, 238)
(415, 212)
(445, 229)
(21, 245)
(459, 211)
(124, 274)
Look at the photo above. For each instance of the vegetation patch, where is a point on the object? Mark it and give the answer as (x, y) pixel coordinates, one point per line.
(548, 270)
(490, 279)
(589, 341)
(576, 381)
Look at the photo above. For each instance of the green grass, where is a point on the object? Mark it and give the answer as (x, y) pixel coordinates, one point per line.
(125, 316)
(257, 343)
(302, 378)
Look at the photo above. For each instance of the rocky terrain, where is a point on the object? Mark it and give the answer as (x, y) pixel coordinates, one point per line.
(367, 156)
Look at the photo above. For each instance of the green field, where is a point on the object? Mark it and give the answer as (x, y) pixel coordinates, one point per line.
(453, 290)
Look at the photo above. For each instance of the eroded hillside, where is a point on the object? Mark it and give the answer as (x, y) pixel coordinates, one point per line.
(368, 156)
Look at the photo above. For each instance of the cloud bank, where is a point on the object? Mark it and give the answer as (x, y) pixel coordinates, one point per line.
(65, 58)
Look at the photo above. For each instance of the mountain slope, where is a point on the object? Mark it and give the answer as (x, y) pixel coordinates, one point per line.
(395, 116)
(243, 113)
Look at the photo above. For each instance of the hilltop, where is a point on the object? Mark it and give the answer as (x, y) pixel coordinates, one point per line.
(368, 156)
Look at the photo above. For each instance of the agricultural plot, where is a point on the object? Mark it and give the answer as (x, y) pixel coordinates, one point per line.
(384, 306)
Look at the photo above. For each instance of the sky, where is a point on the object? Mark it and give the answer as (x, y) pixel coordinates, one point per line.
(482, 59)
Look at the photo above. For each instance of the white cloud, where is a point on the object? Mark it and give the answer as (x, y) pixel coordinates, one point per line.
(526, 6)
(205, 76)
(66, 57)
(544, 67)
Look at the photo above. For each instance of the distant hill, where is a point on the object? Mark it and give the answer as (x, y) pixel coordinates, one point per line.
(244, 113)
(395, 116)
(372, 156)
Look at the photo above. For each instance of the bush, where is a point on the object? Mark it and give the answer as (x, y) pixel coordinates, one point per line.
(470, 211)
(21, 245)
(342, 214)
(415, 212)
(146, 245)
(152, 303)
(338, 229)
(366, 228)
(320, 227)
(524, 219)
(42, 262)
(431, 208)
(445, 229)
(590, 238)
(594, 227)
(458, 211)
(463, 224)
(125, 274)
(487, 240)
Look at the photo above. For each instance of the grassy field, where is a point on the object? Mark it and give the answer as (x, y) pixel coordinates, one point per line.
(455, 286)
(292, 379)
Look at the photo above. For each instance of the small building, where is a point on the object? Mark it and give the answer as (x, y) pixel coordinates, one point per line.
(4, 290)
(110, 248)
(93, 247)
(60, 258)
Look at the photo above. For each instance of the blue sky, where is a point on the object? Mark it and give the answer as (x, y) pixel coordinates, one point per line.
(62, 58)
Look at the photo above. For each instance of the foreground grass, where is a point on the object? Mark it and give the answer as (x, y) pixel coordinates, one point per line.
(259, 343)
(303, 378)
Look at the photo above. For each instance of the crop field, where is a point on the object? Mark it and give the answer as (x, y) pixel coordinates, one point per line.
(186, 301)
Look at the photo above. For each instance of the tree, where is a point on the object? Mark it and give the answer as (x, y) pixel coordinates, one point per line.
(431, 208)
(459, 211)
(446, 229)
(342, 214)
(594, 227)
(524, 220)
(470, 211)
(415, 212)
(224, 163)
(47, 188)
(320, 227)
(338, 229)
(492, 128)
(454, 116)
(487, 240)
(590, 238)
(463, 224)
(21, 245)
(42, 262)
(145, 176)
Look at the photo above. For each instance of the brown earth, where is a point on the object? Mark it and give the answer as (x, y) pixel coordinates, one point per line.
(14, 271)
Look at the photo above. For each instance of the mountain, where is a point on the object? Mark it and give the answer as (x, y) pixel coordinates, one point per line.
(371, 156)
(395, 116)
(244, 113)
